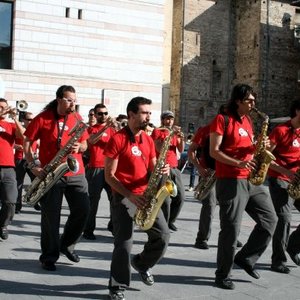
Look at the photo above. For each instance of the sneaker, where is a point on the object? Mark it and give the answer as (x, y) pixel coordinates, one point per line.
(201, 245)
(226, 284)
(294, 256)
(281, 269)
(4, 233)
(48, 266)
(172, 227)
(146, 276)
(116, 294)
(191, 189)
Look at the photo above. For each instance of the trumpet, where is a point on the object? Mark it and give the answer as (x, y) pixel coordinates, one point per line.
(10, 111)
(22, 105)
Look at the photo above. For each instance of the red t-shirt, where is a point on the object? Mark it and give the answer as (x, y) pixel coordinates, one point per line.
(19, 154)
(133, 159)
(171, 157)
(201, 138)
(237, 143)
(46, 128)
(287, 151)
(7, 140)
(96, 150)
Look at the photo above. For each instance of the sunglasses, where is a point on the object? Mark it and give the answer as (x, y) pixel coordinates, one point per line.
(91, 115)
(100, 113)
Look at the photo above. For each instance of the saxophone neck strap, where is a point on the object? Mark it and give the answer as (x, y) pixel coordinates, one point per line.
(60, 131)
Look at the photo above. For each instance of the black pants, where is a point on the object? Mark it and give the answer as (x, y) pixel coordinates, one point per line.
(21, 171)
(154, 249)
(96, 183)
(236, 196)
(283, 205)
(8, 196)
(75, 190)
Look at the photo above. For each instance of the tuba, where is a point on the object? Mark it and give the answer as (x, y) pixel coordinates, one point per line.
(205, 185)
(158, 189)
(55, 169)
(262, 156)
(293, 188)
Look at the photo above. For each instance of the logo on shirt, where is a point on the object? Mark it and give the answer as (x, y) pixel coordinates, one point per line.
(2, 129)
(61, 124)
(243, 132)
(104, 134)
(136, 151)
(296, 143)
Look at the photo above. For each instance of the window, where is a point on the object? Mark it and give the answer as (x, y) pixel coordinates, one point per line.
(79, 14)
(67, 12)
(6, 25)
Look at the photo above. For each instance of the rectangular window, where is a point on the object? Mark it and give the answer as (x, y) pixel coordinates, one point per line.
(6, 25)
(67, 12)
(79, 14)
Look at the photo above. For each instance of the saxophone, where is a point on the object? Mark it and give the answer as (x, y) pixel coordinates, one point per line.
(262, 156)
(205, 185)
(158, 189)
(55, 169)
(293, 188)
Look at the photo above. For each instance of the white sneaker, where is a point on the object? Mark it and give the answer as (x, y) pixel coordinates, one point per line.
(191, 189)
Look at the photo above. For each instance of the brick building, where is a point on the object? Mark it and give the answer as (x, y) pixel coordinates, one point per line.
(217, 44)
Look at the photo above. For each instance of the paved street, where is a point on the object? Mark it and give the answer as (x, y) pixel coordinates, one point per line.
(184, 273)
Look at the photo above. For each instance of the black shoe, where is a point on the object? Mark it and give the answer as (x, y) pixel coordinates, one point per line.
(239, 244)
(37, 207)
(252, 272)
(48, 266)
(172, 227)
(226, 284)
(146, 276)
(116, 294)
(201, 245)
(89, 236)
(4, 233)
(281, 269)
(71, 255)
(294, 256)
(110, 226)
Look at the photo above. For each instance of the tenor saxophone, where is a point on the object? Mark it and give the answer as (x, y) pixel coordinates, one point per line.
(158, 189)
(55, 169)
(205, 185)
(293, 188)
(262, 156)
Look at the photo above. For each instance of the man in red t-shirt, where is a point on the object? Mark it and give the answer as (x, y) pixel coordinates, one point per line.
(20, 161)
(233, 151)
(285, 145)
(53, 128)
(172, 206)
(8, 184)
(99, 136)
(130, 156)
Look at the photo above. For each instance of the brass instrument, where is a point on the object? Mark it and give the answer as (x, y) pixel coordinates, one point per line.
(205, 185)
(10, 111)
(157, 190)
(55, 169)
(293, 188)
(95, 137)
(22, 105)
(262, 156)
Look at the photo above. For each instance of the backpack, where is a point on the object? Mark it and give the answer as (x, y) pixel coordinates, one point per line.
(204, 151)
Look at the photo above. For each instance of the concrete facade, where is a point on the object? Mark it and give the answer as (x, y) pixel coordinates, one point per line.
(109, 51)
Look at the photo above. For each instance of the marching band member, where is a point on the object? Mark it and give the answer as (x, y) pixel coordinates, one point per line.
(52, 127)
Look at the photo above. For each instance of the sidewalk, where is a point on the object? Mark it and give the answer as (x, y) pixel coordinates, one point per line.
(184, 273)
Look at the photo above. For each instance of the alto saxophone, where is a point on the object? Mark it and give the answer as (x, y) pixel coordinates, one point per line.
(158, 189)
(55, 169)
(205, 185)
(293, 188)
(262, 156)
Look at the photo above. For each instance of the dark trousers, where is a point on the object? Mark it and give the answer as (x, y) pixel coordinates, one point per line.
(294, 239)
(154, 249)
(206, 216)
(76, 192)
(96, 183)
(21, 171)
(236, 196)
(283, 205)
(176, 202)
(8, 196)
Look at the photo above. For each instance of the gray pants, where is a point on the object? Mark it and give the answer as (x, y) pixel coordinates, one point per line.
(236, 196)
(283, 205)
(96, 183)
(154, 249)
(8, 196)
(206, 216)
(76, 192)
